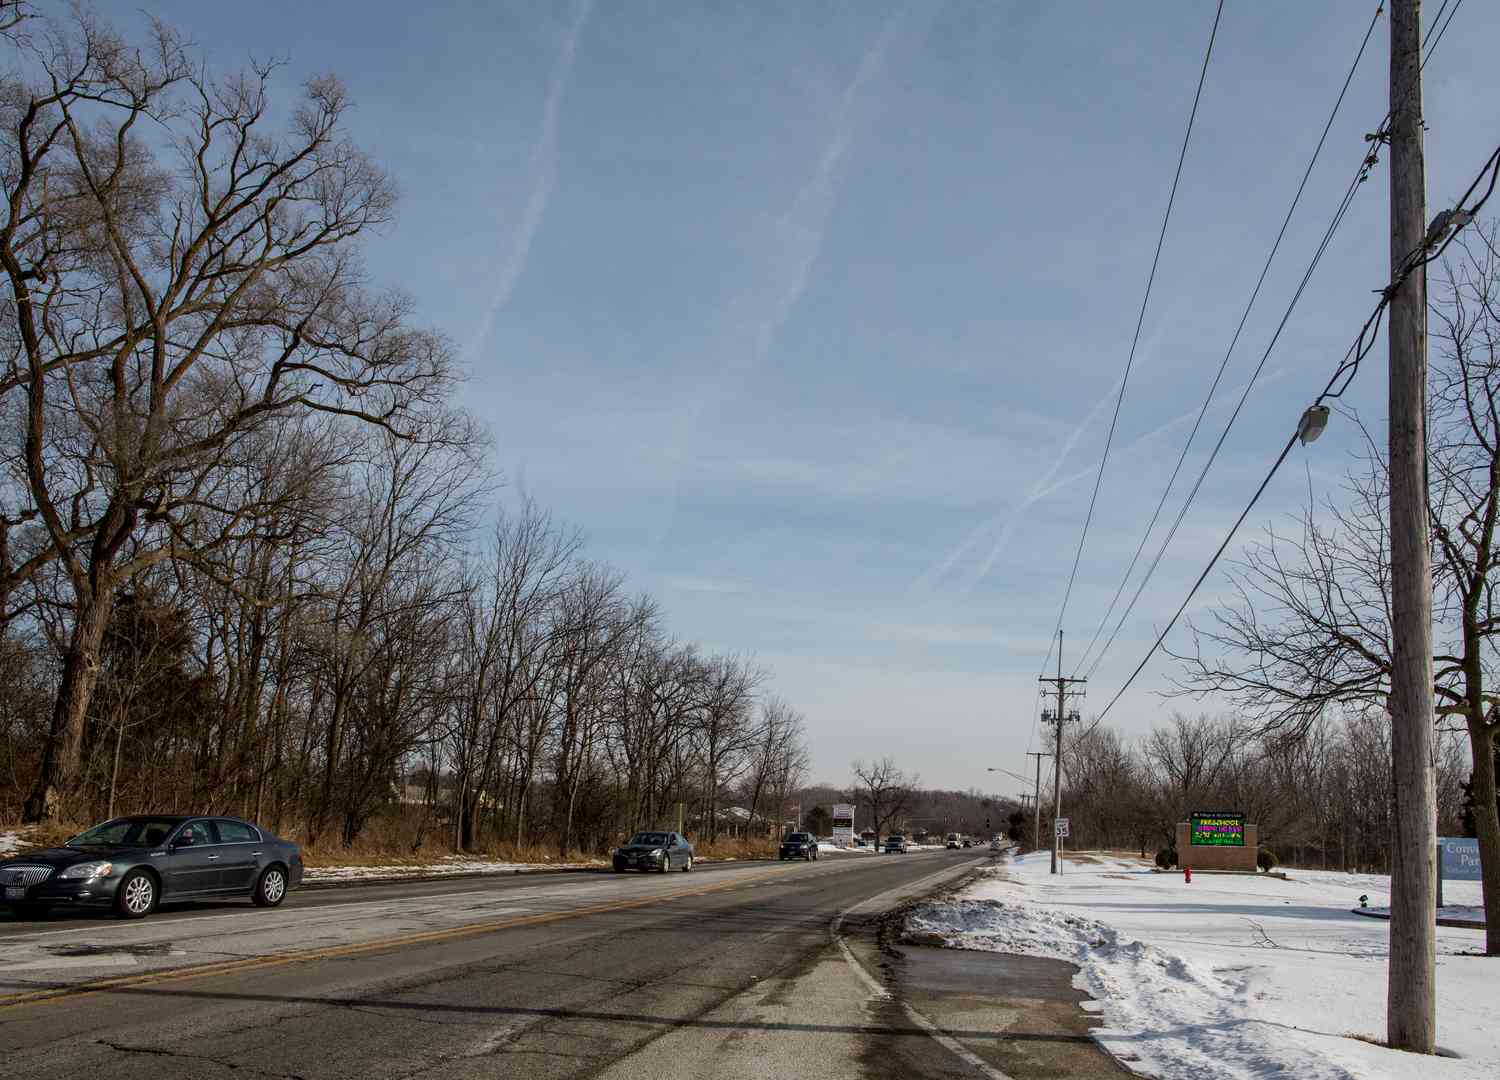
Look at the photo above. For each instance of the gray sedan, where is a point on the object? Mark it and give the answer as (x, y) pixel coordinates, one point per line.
(661, 851)
(131, 864)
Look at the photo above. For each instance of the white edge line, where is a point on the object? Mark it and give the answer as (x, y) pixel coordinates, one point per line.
(880, 993)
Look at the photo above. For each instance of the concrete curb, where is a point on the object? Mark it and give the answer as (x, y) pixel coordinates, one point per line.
(1461, 924)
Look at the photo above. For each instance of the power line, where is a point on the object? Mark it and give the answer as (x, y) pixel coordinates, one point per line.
(1140, 320)
(1378, 138)
(1239, 330)
(1444, 229)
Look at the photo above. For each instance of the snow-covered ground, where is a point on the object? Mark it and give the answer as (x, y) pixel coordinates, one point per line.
(1232, 977)
(447, 867)
(10, 842)
(833, 849)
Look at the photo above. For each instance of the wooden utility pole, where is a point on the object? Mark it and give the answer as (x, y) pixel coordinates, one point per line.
(1036, 798)
(1061, 685)
(1411, 1000)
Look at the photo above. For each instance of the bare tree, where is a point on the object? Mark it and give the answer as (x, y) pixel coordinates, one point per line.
(1310, 629)
(885, 789)
(172, 293)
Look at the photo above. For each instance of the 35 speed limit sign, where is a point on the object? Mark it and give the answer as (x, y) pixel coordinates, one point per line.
(1061, 827)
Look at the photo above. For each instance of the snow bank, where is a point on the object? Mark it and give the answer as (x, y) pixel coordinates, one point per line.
(10, 843)
(1230, 977)
(448, 867)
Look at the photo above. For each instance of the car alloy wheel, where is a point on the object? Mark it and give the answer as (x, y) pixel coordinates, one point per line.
(687, 866)
(137, 895)
(271, 889)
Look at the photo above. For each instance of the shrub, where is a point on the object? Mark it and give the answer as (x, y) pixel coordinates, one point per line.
(1166, 858)
(1266, 859)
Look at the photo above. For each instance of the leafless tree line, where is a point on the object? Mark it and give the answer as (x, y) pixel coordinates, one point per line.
(238, 509)
(1322, 797)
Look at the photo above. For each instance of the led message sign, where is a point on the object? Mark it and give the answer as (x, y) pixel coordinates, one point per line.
(1216, 829)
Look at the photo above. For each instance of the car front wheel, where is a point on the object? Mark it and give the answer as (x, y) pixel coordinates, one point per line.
(136, 897)
(270, 890)
(687, 866)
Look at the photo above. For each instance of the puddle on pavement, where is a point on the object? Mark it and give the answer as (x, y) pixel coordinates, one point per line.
(163, 948)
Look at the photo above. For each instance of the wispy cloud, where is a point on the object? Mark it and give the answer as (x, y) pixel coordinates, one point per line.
(1011, 519)
(542, 177)
(802, 228)
(793, 242)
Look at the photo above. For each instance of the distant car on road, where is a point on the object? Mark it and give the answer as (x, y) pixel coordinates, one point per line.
(661, 851)
(953, 840)
(996, 844)
(799, 845)
(895, 845)
(134, 863)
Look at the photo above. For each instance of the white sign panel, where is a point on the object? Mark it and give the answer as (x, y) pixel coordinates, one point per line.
(1061, 825)
(843, 825)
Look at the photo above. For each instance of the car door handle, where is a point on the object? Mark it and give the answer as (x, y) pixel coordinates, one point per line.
(255, 854)
(211, 858)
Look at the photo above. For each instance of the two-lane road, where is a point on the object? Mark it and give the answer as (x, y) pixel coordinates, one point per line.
(727, 971)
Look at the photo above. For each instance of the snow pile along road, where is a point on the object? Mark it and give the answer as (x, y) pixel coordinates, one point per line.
(10, 843)
(1229, 977)
(447, 868)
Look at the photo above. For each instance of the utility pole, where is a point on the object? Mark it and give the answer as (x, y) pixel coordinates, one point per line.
(1060, 717)
(1411, 1001)
(1036, 798)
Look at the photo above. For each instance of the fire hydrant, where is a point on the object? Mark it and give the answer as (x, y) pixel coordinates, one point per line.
(1187, 875)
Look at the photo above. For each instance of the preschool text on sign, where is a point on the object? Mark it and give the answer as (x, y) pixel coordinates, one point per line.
(1216, 829)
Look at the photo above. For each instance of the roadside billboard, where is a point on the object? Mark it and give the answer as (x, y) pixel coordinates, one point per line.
(843, 825)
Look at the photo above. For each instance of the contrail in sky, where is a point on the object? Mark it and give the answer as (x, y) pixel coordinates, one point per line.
(542, 170)
(782, 276)
(1050, 484)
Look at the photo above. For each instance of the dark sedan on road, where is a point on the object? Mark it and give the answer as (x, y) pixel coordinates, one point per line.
(131, 864)
(661, 851)
(799, 845)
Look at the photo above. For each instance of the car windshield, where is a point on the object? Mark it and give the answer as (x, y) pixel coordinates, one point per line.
(649, 839)
(897, 837)
(798, 838)
(126, 832)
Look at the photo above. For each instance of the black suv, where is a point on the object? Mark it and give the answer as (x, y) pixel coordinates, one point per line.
(799, 845)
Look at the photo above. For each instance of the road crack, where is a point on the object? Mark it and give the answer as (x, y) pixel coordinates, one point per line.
(162, 1051)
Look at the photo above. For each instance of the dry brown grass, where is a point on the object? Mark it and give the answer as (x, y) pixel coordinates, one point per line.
(46, 835)
(735, 849)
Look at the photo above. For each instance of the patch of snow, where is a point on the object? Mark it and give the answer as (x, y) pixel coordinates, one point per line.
(452, 866)
(834, 849)
(10, 842)
(1230, 977)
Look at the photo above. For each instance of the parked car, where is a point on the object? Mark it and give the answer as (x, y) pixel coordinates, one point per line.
(996, 844)
(895, 845)
(132, 864)
(661, 851)
(953, 840)
(799, 845)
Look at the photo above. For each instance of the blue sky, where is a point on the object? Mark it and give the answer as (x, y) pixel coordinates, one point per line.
(810, 315)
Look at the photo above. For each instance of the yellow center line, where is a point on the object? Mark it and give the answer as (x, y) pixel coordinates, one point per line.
(332, 952)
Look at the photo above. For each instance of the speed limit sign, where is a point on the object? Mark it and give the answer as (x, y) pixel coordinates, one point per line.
(1061, 827)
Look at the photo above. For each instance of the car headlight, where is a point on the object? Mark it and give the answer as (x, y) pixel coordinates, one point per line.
(656, 853)
(88, 871)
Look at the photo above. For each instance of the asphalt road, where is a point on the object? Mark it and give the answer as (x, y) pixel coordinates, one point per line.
(752, 970)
